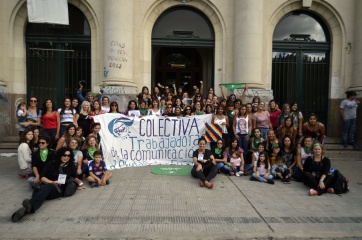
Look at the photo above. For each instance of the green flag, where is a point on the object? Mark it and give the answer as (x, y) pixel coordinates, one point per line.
(232, 86)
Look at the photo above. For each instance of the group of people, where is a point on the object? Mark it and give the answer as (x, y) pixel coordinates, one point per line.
(257, 141)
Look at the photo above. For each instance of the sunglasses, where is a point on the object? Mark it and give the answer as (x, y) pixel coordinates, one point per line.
(66, 155)
(33, 101)
(198, 96)
(42, 143)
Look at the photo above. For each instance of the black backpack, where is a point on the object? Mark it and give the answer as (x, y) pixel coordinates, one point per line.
(340, 183)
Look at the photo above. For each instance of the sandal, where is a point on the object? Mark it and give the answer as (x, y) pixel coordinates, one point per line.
(202, 184)
(211, 186)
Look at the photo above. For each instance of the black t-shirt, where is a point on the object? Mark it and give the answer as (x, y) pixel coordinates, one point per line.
(288, 157)
(204, 156)
(217, 156)
(38, 163)
(51, 170)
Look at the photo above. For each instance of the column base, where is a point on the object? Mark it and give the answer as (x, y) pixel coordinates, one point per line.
(120, 94)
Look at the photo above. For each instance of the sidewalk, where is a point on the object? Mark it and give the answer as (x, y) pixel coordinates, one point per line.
(140, 205)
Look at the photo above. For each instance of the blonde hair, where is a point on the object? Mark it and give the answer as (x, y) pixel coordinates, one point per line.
(89, 108)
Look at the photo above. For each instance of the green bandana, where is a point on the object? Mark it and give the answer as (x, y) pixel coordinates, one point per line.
(306, 150)
(43, 154)
(143, 111)
(218, 150)
(91, 151)
(199, 112)
(75, 151)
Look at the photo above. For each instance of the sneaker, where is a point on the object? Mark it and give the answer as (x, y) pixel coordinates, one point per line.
(94, 185)
(313, 192)
(237, 174)
(80, 183)
(270, 181)
(330, 190)
(241, 173)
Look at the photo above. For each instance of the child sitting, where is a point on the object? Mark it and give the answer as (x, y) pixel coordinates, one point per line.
(280, 170)
(261, 171)
(98, 174)
(237, 163)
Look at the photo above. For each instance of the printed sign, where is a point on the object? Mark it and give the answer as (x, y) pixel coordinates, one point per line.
(150, 140)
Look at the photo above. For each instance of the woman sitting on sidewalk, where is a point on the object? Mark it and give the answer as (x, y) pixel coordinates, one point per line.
(316, 169)
(204, 165)
(51, 189)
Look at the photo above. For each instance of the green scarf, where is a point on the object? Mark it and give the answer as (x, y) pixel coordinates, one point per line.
(43, 154)
(199, 112)
(218, 150)
(306, 150)
(143, 111)
(91, 151)
(231, 114)
(75, 151)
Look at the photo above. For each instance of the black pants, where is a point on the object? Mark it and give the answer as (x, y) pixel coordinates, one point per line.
(51, 134)
(207, 173)
(46, 192)
(313, 182)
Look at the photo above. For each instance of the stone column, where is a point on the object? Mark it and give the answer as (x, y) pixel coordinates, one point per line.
(356, 83)
(248, 41)
(118, 51)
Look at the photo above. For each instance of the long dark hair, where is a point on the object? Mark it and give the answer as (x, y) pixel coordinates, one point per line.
(266, 159)
(231, 150)
(44, 107)
(70, 107)
(23, 136)
(59, 154)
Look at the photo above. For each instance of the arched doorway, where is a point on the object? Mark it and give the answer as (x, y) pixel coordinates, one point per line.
(57, 57)
(300, 66)
(183, 49)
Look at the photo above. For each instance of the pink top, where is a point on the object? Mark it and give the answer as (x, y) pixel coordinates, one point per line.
(262, 119)
(236, 161)
(261, 169)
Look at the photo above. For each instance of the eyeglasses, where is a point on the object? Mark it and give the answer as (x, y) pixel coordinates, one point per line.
(66, 155)
(42, 143)
(33, 100)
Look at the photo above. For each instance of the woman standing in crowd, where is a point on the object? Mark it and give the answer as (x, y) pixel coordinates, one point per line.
(287, 129)
(303, 152)
(67, 116)
(316, 169)
(314, 129)
(209, 109)
(298, 114)
(261, 120)
(97, 109)
(51, 189)
(187, 111)
(198, 109)
(178, 103)
(348, 111)
(33, 114)
(114, 107)
(145, 96)
(286, 113)
(242, 129)
(274, 112)
(222, 120)
(24, 154)
(39, 159)
(132, 106)
(272, 146)
(75, 105)
(105, 104)
(156, 94)
(155, 110)
(79, 135)
(288, 152)
(51, 122)
(204, 165)
(84, 119)
(249, 110)
(96, 128)
(256, 139)
(68, 134)
(255, 104)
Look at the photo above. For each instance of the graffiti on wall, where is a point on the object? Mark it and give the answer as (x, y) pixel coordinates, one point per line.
(4, 110)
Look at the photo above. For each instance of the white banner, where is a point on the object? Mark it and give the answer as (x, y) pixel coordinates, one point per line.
(48, 11)
(150, 140)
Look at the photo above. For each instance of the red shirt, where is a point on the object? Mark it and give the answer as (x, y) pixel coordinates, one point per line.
(50, 122)
(274, 117)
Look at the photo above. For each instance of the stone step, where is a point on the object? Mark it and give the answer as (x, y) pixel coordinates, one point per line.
(332, 140)
(9, 139)
(9, 145)
(338, 147)
(344, 154)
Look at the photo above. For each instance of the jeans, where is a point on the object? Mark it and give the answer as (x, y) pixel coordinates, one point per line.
(261, 178)
(243, 143)
(51, 134)
(229, 169)
(219, 165)
(248, 167)
(264, 132)
(348, 131)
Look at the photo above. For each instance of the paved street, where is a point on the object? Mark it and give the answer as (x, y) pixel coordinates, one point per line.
(140, 205)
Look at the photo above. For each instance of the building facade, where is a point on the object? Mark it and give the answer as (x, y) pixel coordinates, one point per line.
(306, 51)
